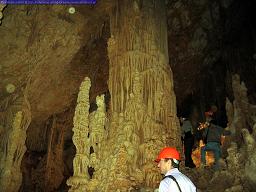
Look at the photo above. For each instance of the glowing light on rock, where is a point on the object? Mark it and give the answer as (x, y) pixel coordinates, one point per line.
(10, 88)
(72, 10)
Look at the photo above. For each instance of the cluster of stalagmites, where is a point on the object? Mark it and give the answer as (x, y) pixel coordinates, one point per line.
(117, 147)
(118, 156)
(123, 142)
(238, 170)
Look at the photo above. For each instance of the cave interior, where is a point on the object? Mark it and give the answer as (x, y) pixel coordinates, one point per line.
(80, 111)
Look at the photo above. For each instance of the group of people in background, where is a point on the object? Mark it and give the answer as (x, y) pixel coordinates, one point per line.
(192, 132)
(209, 132)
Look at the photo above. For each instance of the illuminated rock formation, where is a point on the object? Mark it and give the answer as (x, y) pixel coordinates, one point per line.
(80, 139)
(1, 14)
(143, 104)
(241, 115)
(97, 122)
(15, 123)
(250, 156)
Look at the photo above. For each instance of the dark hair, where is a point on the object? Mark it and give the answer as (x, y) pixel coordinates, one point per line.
(174, 165)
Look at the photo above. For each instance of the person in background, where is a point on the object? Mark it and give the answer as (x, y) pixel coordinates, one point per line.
(189, 141)
(174, 181)
(212, 136)
(190, 137)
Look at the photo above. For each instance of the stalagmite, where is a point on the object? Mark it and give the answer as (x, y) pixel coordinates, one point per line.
(250, 164)
(97, 122)
(80, 139)
(234, 159)
(143, 104)
(240, 113)
(13, 145)
(240, 105)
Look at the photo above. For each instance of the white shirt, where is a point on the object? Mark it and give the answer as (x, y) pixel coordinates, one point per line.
(168, 185)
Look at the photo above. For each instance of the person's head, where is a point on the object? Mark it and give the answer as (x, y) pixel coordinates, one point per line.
(168, 159)
(182, 119)
(208, 116)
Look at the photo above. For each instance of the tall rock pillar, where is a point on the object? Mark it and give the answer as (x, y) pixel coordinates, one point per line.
(143, 104)
(79, 180)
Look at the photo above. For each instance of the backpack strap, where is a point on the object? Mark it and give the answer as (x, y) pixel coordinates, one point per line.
(173, 178)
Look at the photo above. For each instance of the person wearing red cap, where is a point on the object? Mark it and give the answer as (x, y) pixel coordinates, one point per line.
(174, 181)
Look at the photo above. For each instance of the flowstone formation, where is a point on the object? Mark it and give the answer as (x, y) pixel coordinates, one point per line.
(142, 116)
(14, 122)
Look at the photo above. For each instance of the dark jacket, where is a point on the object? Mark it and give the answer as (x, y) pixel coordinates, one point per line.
(214, 133)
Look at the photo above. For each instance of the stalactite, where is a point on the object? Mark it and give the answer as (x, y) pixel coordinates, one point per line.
(79, 180)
